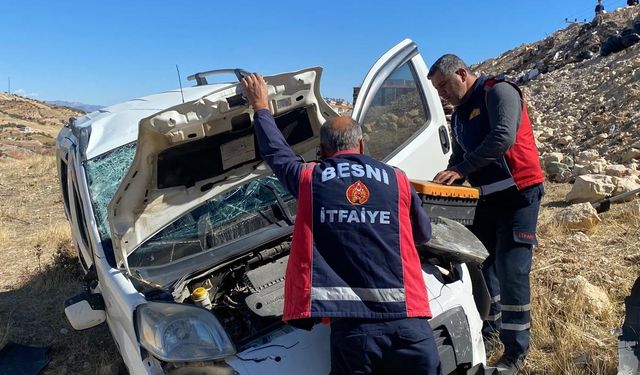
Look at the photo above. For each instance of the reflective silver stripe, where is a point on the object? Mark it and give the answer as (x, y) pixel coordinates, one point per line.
(516, 327)
(493, 318)
(526, 307)
(497, 186)
(495, 299)
(358, 294)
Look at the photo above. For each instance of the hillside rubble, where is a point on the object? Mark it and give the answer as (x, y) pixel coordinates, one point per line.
(29, 127)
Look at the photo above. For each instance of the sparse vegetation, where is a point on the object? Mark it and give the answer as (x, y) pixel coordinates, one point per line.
(41, 270)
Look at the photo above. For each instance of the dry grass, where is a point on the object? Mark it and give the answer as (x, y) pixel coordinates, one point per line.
(41, 270)
(566, 339)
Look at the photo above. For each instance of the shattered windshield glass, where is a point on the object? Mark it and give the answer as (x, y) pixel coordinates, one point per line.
(226, 217)
(104, 174)
(231, 215)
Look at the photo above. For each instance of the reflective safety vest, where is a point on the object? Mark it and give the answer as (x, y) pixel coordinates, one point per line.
(353, 253)
(520, 165)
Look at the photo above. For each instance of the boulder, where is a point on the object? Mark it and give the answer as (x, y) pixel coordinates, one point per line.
(368, 127)
(617, 170)
(558, 172)
(581, 216)
(564, 141)
(404, 122)
(413, 113)
(598, 166)
(579, 291)
(568, 160)
(552, 157)
(630, 154)
(587, 156)
(580, 237)
(591, 188)
(626, 184)
(390, 117)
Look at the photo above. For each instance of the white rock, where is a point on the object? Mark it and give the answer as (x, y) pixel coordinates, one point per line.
(580, 237)
(580, 292)
(591, 188)
(565, 141)
(551, 157)
(586, 156)
(630, 154)
(581, 216)
(598, 166)
(626, 184)
(618, 170)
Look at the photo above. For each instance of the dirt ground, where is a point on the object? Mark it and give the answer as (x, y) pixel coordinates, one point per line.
(40, 270)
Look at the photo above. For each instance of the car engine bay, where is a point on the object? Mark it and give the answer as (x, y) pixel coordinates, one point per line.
(247, 296)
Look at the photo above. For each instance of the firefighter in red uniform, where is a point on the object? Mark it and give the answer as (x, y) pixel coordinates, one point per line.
(494, 149)
(353, 257)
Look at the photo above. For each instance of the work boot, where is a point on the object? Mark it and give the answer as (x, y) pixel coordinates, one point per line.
(509, 365)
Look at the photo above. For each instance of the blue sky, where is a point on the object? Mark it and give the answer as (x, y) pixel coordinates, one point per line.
(105, 52)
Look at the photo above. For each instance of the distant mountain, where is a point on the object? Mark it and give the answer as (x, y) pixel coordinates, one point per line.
(76, 105)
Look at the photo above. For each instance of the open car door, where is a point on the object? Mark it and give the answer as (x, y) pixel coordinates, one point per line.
(402, 119)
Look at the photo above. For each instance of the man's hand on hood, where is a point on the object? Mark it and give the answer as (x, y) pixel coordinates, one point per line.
(255, 90)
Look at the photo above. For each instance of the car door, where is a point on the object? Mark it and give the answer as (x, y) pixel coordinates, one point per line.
(401, 115)
(69, 164)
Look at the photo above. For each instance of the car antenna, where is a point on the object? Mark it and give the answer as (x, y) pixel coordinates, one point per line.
(180, 83)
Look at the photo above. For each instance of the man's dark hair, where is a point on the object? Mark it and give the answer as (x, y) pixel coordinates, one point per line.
(447, 65)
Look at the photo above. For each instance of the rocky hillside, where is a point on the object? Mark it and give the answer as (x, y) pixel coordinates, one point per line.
(29, 127)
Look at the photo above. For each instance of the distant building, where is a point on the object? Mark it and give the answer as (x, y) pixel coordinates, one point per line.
(340, 106)
(392, 89)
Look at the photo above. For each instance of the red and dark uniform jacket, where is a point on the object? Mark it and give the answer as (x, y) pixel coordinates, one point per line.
(475, 137)
(353, 252)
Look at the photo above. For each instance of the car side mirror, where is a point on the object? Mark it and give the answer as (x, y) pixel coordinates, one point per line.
(85, 310)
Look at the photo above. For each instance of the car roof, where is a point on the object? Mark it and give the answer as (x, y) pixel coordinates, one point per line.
(117, 125)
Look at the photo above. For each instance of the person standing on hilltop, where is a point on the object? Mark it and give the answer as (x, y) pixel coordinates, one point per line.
(599, 13)
(494, 150)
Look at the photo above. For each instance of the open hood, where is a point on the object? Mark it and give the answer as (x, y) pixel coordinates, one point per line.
(195, 151)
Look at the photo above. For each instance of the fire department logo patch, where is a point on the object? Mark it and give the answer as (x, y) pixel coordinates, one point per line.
(474, 113)
(357, 193)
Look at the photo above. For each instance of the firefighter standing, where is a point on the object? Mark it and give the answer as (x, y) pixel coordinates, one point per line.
(494, 149)
(353, 254)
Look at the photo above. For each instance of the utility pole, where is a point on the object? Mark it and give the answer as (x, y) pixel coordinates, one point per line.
(9, 85)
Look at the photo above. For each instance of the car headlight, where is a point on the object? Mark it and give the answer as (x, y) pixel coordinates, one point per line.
(181, 333)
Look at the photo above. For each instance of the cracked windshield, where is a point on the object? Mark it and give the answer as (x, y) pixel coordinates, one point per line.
(238, 212)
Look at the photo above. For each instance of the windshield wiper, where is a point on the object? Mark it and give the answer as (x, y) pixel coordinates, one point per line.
(283, 207)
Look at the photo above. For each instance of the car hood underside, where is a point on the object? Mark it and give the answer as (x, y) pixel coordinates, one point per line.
(190, 153)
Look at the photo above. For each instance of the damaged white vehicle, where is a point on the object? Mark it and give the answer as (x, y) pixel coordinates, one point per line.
(184, 233)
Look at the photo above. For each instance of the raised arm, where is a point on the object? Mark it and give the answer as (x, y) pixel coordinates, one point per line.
(273, 147)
